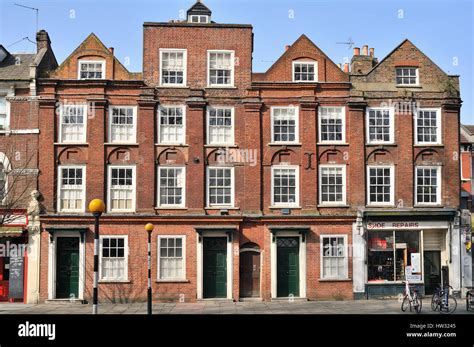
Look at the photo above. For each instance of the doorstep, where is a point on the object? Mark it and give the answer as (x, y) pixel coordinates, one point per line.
(292, 299)
(250, 299)
(215, 300)
(65, 301)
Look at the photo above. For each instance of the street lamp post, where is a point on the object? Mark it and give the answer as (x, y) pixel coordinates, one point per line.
(149, 228)
(97, 207)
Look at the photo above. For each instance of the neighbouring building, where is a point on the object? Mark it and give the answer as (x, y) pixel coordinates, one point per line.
(304, 181)
(19, 129)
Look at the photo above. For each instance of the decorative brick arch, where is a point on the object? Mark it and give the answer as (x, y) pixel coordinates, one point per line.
(332, 156)
(428, 156)
(123, 156)
(380, 156)
(72, 155)
(171, 156)
(284, 156)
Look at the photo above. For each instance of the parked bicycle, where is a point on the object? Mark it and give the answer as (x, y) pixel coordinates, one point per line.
(443, 301)
(412, 299)
(470, 300)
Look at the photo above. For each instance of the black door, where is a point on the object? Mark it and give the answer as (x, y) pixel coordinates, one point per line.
(67, 267)
(215, 267)
(432, 269)
(288, 281)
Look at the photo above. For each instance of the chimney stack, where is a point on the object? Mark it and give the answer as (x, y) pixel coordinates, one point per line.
(356, 51)
(346, 67)
(111, 50)
(42, 40)
(371, 52)
(365, 50)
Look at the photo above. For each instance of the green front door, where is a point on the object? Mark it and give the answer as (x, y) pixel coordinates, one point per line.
(67, 267)
(288, 279)
(215, 267)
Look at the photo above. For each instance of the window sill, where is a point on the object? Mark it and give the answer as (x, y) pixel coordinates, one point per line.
(428, 145)
(221, 87)
(173, 86)
(428, 205)
(408, 86)
(283, 207)
(333, 206)
(332, 143)
(171, 145)
(381, 206)
(121, 144)
(173, 281)
(335, 280)
(71, 143)
(114, 281)
(375, 144)
(223, 145)
(285, 144)
(120, 212)
(171, 208)
(221, 208)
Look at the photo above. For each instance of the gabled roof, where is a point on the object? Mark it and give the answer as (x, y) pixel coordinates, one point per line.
(199, 8)
(467, 134)
(404, 42)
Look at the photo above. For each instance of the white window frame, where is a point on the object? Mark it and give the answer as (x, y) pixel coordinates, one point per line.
(126, 254)
(135, 121)
(208, 126)
(417, 76)
(199, 16)
(185, 63)
(297, 125)
(392, 185)
(344, 187)
(183, 197)
(109, 184)
(232, 188)
(392, 125)
(343, 116)
(85, 116)
(438, 126)
(103, 62)
(158, 258)
(307, 62)
(7, 114)
(346, 257)
(232, 71)
(183, 109)
(60, 177)
(296, 204)
(438, 188)
(7, 169)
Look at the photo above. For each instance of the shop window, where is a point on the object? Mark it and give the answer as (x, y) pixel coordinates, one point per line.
(394, 256)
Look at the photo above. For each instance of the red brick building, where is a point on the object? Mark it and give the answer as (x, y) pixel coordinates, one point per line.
(257, 183)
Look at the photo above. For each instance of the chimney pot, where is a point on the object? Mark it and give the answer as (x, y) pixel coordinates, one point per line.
(111, 50)
(287, 47)
(346, 67)
(372, 52)
(365, 50)
(356, 51)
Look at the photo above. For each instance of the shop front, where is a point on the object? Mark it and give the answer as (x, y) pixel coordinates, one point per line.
(388, 250)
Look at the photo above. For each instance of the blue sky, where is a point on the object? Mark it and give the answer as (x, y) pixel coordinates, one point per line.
(444, 30)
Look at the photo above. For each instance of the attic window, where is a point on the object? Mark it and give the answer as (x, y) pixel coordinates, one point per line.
(91, 70)
(198, 19)
(304, 71)
(407, 76)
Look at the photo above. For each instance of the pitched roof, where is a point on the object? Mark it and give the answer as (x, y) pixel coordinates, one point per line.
(16, 66)
(199, 8)
(467, 133)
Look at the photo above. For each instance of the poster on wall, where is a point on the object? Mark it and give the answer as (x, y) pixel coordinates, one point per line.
(415, 263)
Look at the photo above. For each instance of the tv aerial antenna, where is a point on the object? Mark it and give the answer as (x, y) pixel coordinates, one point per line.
(31, 8)
(349, 43)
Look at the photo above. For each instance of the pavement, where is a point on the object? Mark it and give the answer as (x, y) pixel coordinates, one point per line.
(226, 307)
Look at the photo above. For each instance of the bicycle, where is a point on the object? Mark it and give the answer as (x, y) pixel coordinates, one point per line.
(443, 301)
(412, 299)
(469, 301)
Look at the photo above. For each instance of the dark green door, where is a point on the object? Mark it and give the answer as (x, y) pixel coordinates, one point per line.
(288, 279)
(215, 267)
(67, 267)
(432, 271)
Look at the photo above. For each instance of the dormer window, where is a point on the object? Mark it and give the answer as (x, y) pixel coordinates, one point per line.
(91, 70)
(198, 19)
(305, 71)
(407, 76)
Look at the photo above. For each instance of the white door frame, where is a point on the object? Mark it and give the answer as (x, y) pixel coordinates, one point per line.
(199, 257)
(52, 263)
(302, 261)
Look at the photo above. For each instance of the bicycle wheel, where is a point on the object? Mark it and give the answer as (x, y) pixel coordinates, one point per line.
(405, 303)
(417, 302)
(435, 301)
(450, 306)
